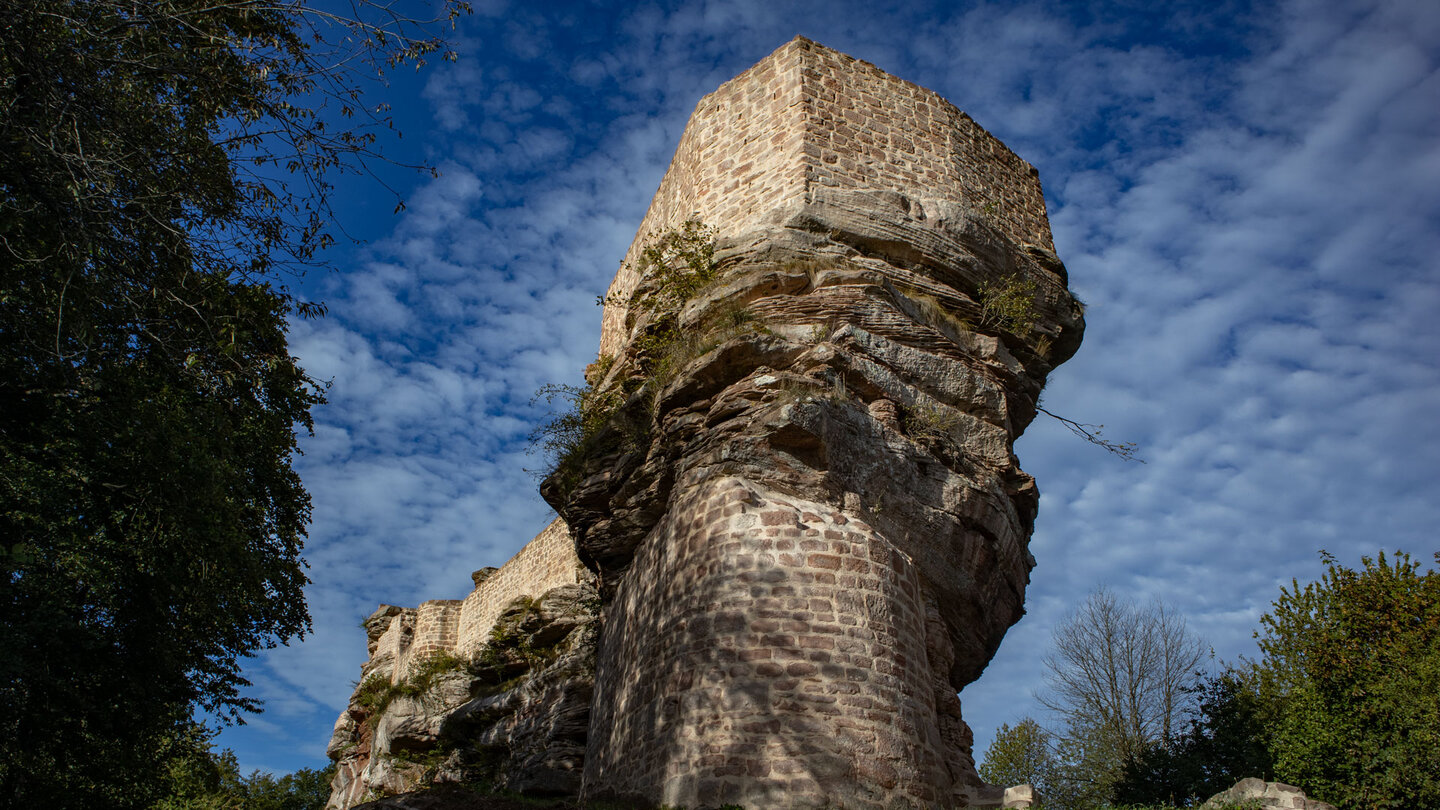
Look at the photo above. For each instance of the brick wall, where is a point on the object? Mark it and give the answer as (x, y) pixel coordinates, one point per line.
(546, 562)
(738, 158)
(867, 129)
(767, 651)
(436, 622)
(809, 116)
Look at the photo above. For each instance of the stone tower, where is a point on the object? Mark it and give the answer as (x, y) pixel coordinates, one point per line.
(797, 502)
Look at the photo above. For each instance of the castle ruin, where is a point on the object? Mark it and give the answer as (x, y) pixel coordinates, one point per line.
(795, 527)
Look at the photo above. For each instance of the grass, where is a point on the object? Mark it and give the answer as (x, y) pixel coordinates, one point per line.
(935, 314)
(929, 423)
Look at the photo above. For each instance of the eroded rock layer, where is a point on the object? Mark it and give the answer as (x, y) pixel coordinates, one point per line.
(790, 483)
(493, 690)
(807, 521)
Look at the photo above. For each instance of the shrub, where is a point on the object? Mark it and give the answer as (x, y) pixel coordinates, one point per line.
(673, 270)
(570, 436)
(376, 692)
(1009, 304)
(928, 423)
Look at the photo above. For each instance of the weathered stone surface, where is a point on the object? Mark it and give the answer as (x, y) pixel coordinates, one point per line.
(513, 712)
(1267, 795)
(515, 716)
(1019, 796)
(811, 531)
(804, 518)
(530, 738)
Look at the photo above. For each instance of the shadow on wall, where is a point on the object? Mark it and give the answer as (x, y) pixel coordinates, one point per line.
(766, 649)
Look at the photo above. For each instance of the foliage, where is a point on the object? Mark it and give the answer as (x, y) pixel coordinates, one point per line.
(159, 170)
(572, 433)
(428, 671)
(672, 270)
(1022, 755)
(1119, 681)
(1352, 666)
(305, 789)
(510, 653)
(374, 693)
(1009, 304)
(1224, 743)
(203, 780)
(930, 423)
(377, 692)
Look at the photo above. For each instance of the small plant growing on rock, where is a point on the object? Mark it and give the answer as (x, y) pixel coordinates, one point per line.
(429, 670)
(376, 693)
(935, 314)
(928, 423)
(673, 270)
(674, 267)
(1009, 304)
(569, 436)
(821, 332)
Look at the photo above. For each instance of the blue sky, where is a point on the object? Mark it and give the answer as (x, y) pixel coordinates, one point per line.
(1247, 197)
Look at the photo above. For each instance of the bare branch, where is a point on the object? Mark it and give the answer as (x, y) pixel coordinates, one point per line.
(1094, 435)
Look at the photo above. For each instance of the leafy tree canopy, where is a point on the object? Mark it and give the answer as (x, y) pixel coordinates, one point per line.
(163, 166)
(199, 779)
(1224, 743)
(1022, 755)
(1352, 668)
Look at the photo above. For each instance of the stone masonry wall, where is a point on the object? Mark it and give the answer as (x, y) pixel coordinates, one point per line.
(768, 651)
(867, 129)
(546, 562)
(738, 159)
(394, 643)
(378, 752)
(436, 622)
(764, 138)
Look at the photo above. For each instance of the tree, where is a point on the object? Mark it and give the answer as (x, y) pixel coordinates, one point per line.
(197, 778)
(1118, 681)
(1224, 743)
(1022, 755)
(163, 166)
(1351, 668)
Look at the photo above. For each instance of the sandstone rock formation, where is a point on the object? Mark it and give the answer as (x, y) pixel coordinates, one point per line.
(497, 687)
(1266, 795)
(794, 482)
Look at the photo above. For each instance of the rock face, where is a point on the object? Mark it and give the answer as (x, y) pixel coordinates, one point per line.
(807, 522)
(1267, 795)
(496, 688)
(793, 481)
